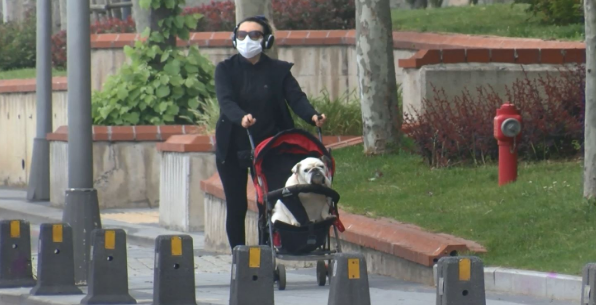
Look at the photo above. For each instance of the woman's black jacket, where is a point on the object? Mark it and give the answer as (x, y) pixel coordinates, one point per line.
(233, 75)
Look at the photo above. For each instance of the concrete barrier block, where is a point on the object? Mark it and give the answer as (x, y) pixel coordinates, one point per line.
(174, 277)
(460, 281)
(252, 276)
(588, 297)
(349, 280)
(55, 264)
(15, 254)
(108, 270)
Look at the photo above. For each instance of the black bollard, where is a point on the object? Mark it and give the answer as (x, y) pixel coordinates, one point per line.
(55, 264)
(108, 270)
(15, 254)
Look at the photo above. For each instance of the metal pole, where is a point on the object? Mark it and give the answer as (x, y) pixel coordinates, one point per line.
(82, 208)
(39, 173)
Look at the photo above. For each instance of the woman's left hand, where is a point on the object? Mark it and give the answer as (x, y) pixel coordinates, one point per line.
(319, 121)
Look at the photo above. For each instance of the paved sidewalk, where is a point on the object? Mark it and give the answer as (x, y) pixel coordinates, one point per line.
(212, 271)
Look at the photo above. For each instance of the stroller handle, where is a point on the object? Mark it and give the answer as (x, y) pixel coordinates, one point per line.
(252, 142)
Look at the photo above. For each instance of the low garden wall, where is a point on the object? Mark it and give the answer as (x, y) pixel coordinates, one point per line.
(126, 165)
(454, 70)
(17, 126)
(323, 60)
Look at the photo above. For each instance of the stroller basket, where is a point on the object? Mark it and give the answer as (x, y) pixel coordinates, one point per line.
(303, 239)
(310, 236)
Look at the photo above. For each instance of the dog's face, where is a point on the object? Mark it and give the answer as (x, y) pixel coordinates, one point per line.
(312, 171)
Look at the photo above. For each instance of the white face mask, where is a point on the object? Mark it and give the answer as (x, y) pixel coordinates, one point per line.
(249, 48)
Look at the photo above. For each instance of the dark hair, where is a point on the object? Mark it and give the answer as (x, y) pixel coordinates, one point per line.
(262, 20)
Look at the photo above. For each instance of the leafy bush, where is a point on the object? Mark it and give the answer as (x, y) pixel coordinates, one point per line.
(59, 50)
(17, 43)
(102, 26)
(160, 85)
(559, 12)
(461, 129)
(113, 25)
(314, 14)
(287, 15)
(343, 115)
(217, 16)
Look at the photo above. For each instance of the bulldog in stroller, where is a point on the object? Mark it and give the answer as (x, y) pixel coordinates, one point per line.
(297, 206)
(316, 206)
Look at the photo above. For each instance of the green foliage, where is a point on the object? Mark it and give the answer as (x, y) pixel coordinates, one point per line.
(17, 43)
(507, 20)
(208, 117)
(27, 73)
(160, 85)
(343, 115)
(558, 12)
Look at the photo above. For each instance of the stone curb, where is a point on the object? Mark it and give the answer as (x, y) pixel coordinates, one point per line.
(531, 283)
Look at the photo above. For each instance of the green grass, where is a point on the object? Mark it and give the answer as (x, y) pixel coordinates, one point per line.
(26, 73)
(498, 19)
(538, 223)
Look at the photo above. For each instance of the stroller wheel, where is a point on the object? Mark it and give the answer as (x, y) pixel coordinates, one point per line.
(281, 277)
(321, 273)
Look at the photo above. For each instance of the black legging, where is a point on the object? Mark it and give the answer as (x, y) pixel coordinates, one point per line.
(234, 179)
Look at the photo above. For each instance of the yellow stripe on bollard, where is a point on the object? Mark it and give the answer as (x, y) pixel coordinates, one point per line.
(254, 258)
(176, 246)
(353, 268)
(57, 233)
(110, 242)
(464, 269)
(15, 229)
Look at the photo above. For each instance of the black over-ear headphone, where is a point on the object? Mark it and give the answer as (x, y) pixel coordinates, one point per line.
(268, 38)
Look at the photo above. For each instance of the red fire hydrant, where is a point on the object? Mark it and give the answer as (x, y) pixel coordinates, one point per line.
(507, 131)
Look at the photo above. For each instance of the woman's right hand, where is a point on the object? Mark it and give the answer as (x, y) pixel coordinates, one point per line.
(248, 121)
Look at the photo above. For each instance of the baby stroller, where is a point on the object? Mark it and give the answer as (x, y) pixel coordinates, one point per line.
(273, 160)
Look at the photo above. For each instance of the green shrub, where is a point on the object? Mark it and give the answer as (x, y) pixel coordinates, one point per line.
(161, 85)
(559, 12)
(343, 115)
(17, 43)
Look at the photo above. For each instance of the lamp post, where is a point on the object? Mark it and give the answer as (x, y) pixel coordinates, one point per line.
(82, 207)
(38, 188)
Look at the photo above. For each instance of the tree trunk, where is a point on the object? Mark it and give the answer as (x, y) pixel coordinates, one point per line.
(154, 17)
(16, 10)
(381, 118)
(250, 8)
(63, 17)
(56, 17)
(419, 4)
(141, 16)
(590, 110)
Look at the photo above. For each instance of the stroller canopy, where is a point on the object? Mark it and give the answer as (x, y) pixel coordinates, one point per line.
(275, 157)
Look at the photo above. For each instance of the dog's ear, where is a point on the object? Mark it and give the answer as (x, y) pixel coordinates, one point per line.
(326, 161)
(296, 168)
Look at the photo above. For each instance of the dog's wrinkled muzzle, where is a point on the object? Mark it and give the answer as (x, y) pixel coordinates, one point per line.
(317, 177)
